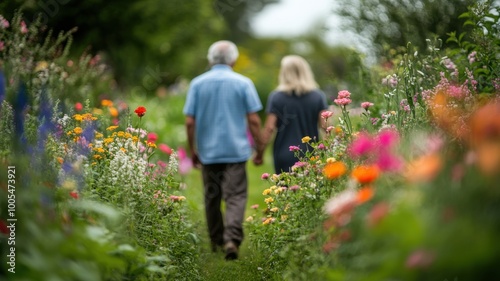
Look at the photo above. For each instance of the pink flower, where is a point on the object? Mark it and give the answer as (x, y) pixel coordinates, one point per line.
(329, 129)
(386, 161)
(342, 101)
(344, 94)
(78, 106)
(472, 57)
(4, 23)
(165, 148)
(294, 187)
(161, 164)
(265, 176)
(321, 146)
(326, 114)
(377, 213)
(419, 259)
(299, 164)
(24, 29)
(387, 138)
(294, 148)
(366, 105)
(152, 137)
(185, 164)
(256, 206)
(2, 46)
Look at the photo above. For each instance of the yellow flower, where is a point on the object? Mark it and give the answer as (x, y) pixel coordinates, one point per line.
(273, 187)
(306, 139)
(393, 112)
(268, 221)
(275, 177)
(97, 156)
(41, 66)
(78, 117)
(249, 219)
(111, 128)
(108, 140)
(121, 133)
(331, 160)
(269, 200)
(266, 192)
(98, 136)
(123, 149)
(69, 133)
(278, 190)
(151, 144)
(135, 138)
(182, 198)
(77, 130)
(97, 111)
(128, 135)
(99, 149)
(274, 210)
(284, 217)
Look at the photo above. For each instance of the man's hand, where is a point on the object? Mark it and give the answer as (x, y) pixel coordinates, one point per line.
(196, 160)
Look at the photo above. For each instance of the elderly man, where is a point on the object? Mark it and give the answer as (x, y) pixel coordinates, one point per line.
(221, 106)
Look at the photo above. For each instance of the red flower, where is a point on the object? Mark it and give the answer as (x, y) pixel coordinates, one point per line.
(78, 106)
(140, 111)
(74, 194)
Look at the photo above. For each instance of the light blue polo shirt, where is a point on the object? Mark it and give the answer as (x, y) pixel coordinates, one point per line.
(219, 100)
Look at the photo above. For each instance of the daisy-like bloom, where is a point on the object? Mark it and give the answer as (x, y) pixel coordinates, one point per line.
(366, 105)
(265, 176)
(249, 219)
(111, 128)
(78, 117)
(334, 170)
(306, 139)
(77, 130)
(326, 114)
(365, 174)
(140, 111)
(330, 160)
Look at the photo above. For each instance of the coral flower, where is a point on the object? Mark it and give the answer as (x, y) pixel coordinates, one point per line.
(424, 168)
(365, 174)
(140, 111)
(334, 170)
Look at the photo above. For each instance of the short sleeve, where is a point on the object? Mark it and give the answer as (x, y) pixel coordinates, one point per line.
(190, 106)
(252, 99)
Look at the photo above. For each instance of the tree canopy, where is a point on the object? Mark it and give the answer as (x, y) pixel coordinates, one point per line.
(394, 23)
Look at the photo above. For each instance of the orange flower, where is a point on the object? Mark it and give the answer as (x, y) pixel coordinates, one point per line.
(365, 194)
(106, 103)
(140, 111)
(334, 170)
(366, 173)
(113, 111)
(424, 168)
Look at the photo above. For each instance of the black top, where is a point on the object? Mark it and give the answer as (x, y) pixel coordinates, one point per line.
(297, 117)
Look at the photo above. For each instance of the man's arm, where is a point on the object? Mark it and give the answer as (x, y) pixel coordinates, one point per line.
(190, 128)
(254, 125)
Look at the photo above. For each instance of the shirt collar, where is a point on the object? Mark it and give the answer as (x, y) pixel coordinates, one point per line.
(222, 66)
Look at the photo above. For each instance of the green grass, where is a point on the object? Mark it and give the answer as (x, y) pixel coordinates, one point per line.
(164, 117)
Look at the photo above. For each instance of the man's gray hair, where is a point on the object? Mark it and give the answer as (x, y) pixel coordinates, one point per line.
(222, 52)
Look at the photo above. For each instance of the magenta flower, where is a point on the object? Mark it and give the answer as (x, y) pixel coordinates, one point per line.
(366, 105)
(361, 146)
(386, 161)
(321, 146)
(265, 176)
(299, 164)
(294, 148)
(326, 114)
(152, 137)
(161, 164)
(387, 138)
(185, 163)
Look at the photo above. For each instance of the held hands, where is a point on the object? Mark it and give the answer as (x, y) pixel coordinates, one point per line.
(258, 159)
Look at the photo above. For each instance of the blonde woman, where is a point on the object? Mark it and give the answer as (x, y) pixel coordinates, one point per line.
(293, 111)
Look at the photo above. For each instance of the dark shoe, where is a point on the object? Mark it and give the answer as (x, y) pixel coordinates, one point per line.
(231, 251)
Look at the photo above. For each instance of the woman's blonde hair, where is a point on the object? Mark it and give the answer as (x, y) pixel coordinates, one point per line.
(296, 76)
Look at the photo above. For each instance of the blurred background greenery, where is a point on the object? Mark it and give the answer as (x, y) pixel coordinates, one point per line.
(153, 47)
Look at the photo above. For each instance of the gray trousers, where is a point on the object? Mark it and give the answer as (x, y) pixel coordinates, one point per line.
(227, 182)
